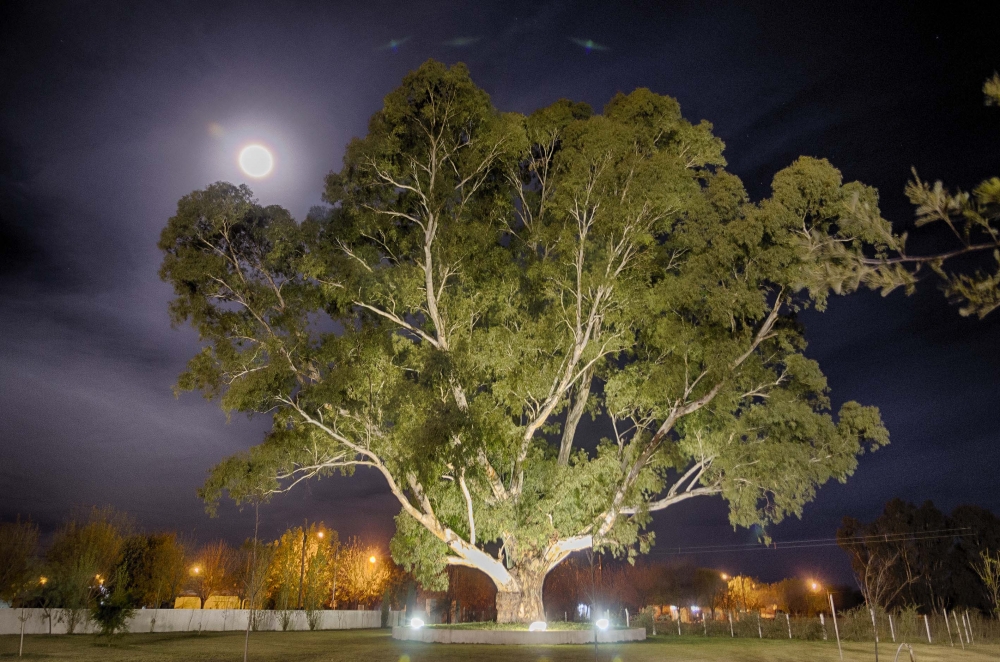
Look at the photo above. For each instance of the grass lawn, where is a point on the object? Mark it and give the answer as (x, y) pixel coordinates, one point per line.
(378, 646)
(493, 625)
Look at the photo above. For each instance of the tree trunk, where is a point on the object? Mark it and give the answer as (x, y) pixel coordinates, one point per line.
(524, 605)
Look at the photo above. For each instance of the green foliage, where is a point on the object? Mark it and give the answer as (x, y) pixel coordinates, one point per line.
(974, 222)
(84, 555)
(154, 567)
(113, 608)
(482, 279)
(18, 541)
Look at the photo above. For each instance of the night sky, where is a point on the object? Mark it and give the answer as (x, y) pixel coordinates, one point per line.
(110, 112)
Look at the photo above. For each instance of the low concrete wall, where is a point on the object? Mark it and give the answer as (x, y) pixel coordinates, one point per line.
(56, 621)
(504, 637)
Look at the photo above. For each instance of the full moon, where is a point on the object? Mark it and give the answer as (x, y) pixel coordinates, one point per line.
(256, 161)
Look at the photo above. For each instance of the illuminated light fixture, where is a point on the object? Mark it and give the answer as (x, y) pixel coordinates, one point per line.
(43, 580)
(537, 626)
(695, 609)
(416, 623)
(371, 559)
(602, 623)
(320, 534)
(724, 576)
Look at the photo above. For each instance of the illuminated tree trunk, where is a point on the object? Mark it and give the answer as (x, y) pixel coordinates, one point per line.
(523, 605)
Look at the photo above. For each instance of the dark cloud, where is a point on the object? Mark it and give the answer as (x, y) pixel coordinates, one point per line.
(109, 113)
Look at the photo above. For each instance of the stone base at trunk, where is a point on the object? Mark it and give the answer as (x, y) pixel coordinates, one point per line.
(507, 637)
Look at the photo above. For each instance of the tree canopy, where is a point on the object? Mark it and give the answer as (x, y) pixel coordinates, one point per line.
(483, 280)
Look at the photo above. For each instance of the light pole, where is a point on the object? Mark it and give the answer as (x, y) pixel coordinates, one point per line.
(302, 569)
(336, 569)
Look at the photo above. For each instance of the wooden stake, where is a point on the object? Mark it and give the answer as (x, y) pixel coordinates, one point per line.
(20, 649)
(948, 627)
(760, 633)
(968, 620)
(731, 633)
(822, 624)
(958, 629)
(833, 610)
(927, 626)
(789, 622)
(892, 629)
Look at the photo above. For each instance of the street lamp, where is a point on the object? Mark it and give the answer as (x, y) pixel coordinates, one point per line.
(195, 570)
(724, 576)
(371, 559)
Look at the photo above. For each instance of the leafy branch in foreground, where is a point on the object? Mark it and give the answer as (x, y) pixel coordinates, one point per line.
(973, 221)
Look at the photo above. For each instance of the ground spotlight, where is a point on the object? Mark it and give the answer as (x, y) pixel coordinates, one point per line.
(602, 623)
(537, 626)
(416, 623)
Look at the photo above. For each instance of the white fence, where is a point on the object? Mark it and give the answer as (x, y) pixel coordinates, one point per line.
(57, 621)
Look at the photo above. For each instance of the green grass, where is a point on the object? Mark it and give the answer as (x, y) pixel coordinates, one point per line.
(377, 646)
(493, 625)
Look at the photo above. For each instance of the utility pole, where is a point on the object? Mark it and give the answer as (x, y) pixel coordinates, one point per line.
(336, 569)
(302, 570)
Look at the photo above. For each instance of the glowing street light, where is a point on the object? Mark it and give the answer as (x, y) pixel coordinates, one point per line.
(725, 577)
(195, 570)
(815, 585)
(416, 623)
(319, 534)
(602, 623)
(371, 559)
(43, 580)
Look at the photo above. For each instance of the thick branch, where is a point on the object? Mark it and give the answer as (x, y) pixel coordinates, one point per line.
(580, 395)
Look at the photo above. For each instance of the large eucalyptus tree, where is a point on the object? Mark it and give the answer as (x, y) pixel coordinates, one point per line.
(484, 280)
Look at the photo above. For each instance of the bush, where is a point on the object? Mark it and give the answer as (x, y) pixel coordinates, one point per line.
(644, 619)
(112, 614)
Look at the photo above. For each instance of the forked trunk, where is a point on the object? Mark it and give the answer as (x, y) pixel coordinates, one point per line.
(524, 605)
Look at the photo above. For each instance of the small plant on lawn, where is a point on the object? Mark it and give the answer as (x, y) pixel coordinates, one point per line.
(114, 609)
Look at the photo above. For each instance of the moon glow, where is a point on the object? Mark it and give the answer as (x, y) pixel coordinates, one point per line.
(256, 161)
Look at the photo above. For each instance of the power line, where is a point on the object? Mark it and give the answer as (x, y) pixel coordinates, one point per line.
(933, 534)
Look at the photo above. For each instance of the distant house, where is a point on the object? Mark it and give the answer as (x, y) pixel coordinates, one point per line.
(213, 602)
(222, 602)
(187, 602)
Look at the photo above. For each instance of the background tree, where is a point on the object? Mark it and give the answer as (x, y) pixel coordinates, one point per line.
(18, 571)
(748, 594)
(988, 569)
(362, 574)
(918, 556)
(154, 566)
(487, 279)
(295, 578)
(214, 571)
(83, 556)
(880, 567)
